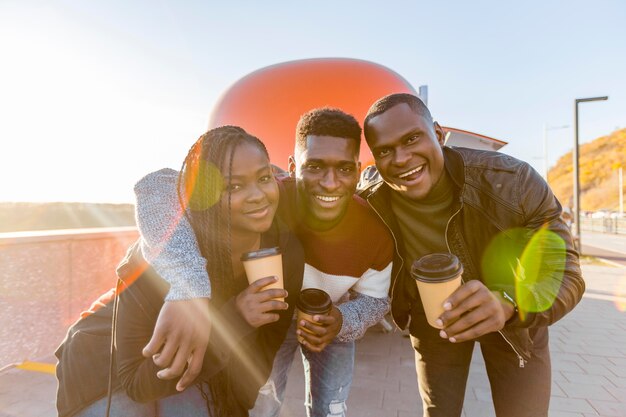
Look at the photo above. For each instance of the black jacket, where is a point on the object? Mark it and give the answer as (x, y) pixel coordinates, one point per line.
(495, 194)
(246, 353)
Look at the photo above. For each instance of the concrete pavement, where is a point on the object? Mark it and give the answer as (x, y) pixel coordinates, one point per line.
(588, 354)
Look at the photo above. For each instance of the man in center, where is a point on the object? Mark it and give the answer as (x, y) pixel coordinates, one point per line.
(348, 253)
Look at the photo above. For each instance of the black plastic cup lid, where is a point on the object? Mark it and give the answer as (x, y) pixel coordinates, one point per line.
(314, 301)
(261, 253)
(436, 267)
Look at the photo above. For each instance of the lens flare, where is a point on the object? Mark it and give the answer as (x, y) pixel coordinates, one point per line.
(529, 263)
(203, 185)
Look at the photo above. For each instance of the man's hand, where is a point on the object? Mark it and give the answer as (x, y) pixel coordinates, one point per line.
(323, 331)
(258, 306)
(472, 311)
(180, 338)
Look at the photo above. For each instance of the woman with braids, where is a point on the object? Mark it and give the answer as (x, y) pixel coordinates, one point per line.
(230, 196)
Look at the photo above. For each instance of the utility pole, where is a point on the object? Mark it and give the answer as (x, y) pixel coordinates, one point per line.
(545, 147)
(575, 163)
(423, 94)
(621, 193)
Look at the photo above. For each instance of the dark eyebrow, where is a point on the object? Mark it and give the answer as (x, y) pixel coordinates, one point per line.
(406, 135)
(412, 132)
(323, 162)
(377, 148)
(259, 171)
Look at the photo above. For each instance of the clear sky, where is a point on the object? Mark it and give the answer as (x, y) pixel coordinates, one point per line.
(95, 94)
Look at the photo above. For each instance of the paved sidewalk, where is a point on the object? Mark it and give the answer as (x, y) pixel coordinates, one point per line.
(588, 354)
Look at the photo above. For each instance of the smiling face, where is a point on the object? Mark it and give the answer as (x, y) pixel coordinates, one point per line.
(407, 148)
(253, 190)
(327, 172)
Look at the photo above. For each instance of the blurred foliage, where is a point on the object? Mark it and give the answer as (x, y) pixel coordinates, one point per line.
(599, 163)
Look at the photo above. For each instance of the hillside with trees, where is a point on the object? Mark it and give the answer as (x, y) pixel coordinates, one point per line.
(599, 165)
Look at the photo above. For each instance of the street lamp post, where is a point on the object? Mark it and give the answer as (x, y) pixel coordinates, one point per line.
(545, 146)
(575, 163)
(621, 192)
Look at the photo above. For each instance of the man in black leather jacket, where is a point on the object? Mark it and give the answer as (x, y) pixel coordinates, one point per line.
(521, 271)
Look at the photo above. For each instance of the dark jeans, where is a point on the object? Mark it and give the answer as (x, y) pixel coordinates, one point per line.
(443, 367)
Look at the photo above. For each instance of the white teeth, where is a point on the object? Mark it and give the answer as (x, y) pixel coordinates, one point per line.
(326, 198)
(411, 172)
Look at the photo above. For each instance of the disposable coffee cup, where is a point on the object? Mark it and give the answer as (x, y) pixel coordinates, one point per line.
(264, 263)
(437, 276)
(312, 301)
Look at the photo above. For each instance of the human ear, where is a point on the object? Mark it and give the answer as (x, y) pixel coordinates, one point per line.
(291, 166)
(441, 136)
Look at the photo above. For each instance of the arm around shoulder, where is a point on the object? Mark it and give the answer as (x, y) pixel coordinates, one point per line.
(168, 242)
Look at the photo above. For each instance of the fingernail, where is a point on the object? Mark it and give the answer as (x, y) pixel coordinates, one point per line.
(160, 374)
(447, 305)
(316, 318)
(155, 356)
(452, 339)
(179, 388)
(443, 334)
(439, 323)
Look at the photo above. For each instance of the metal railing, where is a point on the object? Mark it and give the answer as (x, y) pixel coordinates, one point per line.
(603, 225)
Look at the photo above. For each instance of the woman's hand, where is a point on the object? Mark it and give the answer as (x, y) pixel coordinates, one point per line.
(257, 306)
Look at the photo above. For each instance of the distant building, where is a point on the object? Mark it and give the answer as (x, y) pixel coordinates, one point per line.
(458, 137)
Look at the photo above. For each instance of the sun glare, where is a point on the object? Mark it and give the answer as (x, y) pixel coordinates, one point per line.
(533, 260)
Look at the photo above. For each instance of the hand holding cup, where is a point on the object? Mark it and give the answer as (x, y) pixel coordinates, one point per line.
(313, 303)
(437, 275)
(258, 304)
(318, 334)
(264, 263)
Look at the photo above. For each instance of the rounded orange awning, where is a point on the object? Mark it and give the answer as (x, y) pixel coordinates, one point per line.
(268, 102)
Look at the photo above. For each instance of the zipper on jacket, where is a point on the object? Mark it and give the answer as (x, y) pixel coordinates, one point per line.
(522, 361)
(448, 225)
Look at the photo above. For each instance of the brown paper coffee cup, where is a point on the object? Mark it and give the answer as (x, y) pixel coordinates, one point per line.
(437, 276)
(264, 263)
(312, 301)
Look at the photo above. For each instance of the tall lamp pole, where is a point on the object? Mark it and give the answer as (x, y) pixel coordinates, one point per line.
(545, 146)
(621, 192)
(575, 163)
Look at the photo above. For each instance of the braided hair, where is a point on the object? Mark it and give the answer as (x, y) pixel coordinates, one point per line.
(200, 192)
